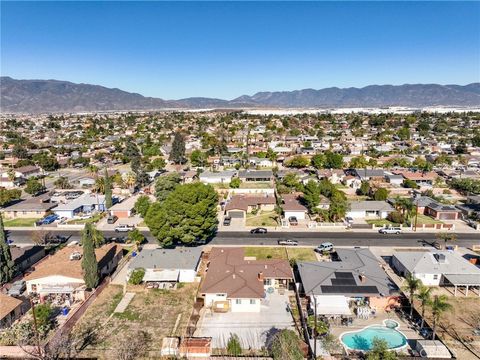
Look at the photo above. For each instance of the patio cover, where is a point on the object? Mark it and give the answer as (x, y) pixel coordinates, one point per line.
(331, 304)
(163, 275)
(463, 280)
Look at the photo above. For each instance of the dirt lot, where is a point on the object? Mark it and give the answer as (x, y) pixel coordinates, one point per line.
(159, 312)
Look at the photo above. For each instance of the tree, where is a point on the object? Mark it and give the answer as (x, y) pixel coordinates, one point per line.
(135, 237)
(380, 351)
(476, 140)
(318, 161)
(7, 265)
(446, 237)
(158, 163)
(108, 190)
(311, 194)
(381, 194)
(359, 162)
(166, 184)
(298, 161)
(142, 204)
(411, 286)
(438, 306)
(364, 188)
(407, 183)
(89, 260)
(7, 196)
(333, 160)
(44, 315)
(424, 295)
(177, 154)
(198, 158)
(235, 183)
(286, 345)
(136, 277)
(62, 183)
(321, 327)
(233, 346)
(188, 215)
(33, 186)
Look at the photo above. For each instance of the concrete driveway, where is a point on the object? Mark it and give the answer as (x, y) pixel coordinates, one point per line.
(253, 329)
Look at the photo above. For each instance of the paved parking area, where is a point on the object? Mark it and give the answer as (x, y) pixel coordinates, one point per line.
(253, 329)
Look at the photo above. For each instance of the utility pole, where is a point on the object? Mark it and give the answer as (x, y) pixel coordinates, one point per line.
(416, 215)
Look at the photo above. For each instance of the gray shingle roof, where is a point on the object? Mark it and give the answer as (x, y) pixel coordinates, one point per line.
(178, 258)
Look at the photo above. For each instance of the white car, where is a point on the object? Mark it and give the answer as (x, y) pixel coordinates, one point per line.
(324, 247)
(124, 228)
(390, 230)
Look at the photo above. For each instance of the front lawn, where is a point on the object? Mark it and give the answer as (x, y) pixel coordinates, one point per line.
(424, 219)
(381, 222)
(263, 218)
(19, 222)
(299, 254)
(95, 218)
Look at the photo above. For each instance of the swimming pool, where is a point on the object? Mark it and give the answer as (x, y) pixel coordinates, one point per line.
(363, 339)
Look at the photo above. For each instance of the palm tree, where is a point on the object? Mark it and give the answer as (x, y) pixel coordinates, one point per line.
(412, 285)
(99, 186)
(439, 305)
(424, 295)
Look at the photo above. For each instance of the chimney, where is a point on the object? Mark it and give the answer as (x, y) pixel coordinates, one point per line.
(260, 276)
(362, 278)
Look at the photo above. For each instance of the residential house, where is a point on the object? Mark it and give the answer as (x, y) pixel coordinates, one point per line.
(26, 256)
(217, 177)
(167, 265)
(333, 175)
(27, 171)
(292, 207)
(430, 207)
(240, 205)
(84, 204)
(369, 174)
(260, 162)
(31, 208)
(61, 273)
(369, 209)
(437, 268)
(352, 274)
(419, 177)
(11, 309)
(255, 175)
(235, 283)
(125, 208)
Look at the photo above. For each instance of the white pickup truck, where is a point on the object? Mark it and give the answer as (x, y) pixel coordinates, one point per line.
(124, 228)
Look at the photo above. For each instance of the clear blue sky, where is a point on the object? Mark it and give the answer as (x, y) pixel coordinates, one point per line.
(227, 49)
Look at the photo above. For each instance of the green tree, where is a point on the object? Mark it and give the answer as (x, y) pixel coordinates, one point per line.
(298, 161)
(177, 154)
(380, 351)
(158, 163)
(424, 296)
(108, 190)
(62, 183)
(359, 162)
(446, 238)
(333, 160)
(321, 327)
(33, 186)
(311, 194)
(188, 215)
(166, 184)
(142, 204)
(135, 237)
(235, 183)
(438, 306)
(364, 188)
(233, 346)
(7, 266)
(198, 158)
(7, 195)
(136, 277)
(410, 184)
(318, 161)
(412, 285)
(44, 315)
(89, 260)
(286, 345)
(476, 140)
(381, 194)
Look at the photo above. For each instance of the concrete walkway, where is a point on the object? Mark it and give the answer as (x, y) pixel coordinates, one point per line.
(123, 304)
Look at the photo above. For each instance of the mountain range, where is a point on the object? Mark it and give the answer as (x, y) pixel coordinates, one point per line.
(45, 96)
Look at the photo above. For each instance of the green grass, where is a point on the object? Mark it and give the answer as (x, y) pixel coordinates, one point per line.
(256, 185)
(95, 218)
(267, 218)
(300, 254)
(20, 222)
(380, 222)
(424, 219)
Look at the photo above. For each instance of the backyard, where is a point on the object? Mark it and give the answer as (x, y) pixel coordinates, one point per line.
(299, 254)
(263, 218)
(158, 312)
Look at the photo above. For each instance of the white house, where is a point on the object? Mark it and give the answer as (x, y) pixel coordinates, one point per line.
(369, 209)
(221, 177)
(292, 207)
(86, 204)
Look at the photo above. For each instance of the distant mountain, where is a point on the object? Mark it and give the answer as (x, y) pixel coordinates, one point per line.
(35, 96)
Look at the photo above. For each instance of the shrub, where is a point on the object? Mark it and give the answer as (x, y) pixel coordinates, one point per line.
(233, 346)
(396, 217)
(137, 276)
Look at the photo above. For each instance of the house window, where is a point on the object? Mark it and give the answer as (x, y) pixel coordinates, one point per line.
(435, 277)
(252, 301)
(267, 282)
(219, 295)
(238, 301)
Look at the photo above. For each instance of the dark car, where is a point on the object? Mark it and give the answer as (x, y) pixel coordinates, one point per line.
(56, 239)
(227, 221)
(288, 242)
(259, 230)
(293, 221)
(116, 239)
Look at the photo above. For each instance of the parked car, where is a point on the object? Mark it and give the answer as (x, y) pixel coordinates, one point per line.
(326, 246)
(124, 228)
(390, 230)
(349, 220)
(288, 242)
(18, 287)
(293, 221)
(56, 239)
(258, 230)
(111, 219)
(227, 220)
(116, 239)
(48, 219)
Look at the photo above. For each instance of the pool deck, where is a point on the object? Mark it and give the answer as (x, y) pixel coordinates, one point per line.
(359, 324)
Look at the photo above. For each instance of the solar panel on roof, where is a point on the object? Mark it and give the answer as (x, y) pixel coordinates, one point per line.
(326, 289)
(343, 275)
(343, 282)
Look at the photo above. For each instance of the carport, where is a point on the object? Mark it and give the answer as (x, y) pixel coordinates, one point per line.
(468, 281)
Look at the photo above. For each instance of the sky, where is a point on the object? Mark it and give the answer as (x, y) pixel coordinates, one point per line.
(219, 49)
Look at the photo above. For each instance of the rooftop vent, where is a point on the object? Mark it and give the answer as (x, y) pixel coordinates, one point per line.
(440, 258)
(75, 256)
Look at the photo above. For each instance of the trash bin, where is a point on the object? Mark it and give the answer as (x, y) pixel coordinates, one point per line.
(65, 311)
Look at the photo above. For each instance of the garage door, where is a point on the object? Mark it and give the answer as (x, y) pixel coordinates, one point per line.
(236, 214)
(447, 216)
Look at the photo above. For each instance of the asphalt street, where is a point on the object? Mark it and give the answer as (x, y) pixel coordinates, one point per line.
(24, 237)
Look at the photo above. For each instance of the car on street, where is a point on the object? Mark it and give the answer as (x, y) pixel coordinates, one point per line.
(390, 230)
(124, 228)
(324, 247)
(116, 239)
(288, 242)
(111, 219)
(18, 287)
(227, 220)
(55, 239)
(293, 220)
(258, 230)
(349, 220)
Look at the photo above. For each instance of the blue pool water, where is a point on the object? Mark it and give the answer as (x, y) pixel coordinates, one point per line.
(362, 339)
